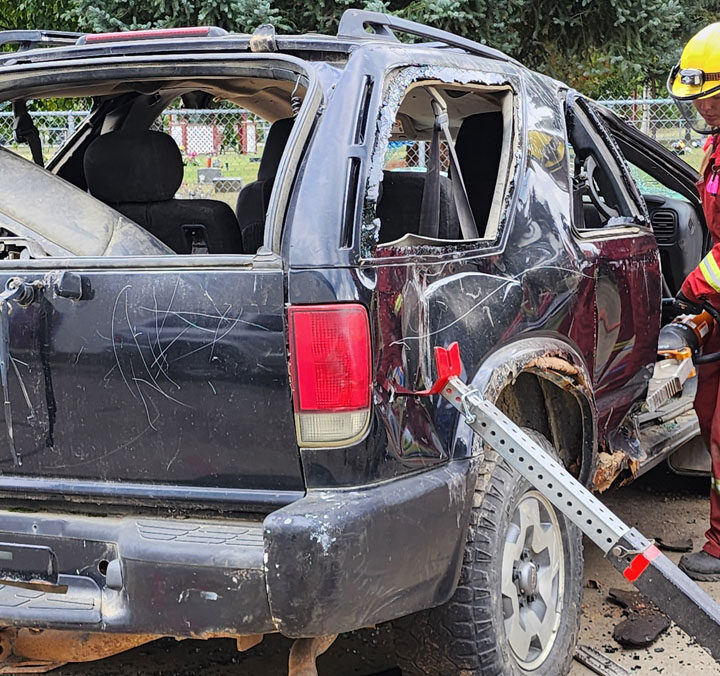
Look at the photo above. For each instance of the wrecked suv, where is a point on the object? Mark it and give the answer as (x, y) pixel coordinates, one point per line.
(210, 420)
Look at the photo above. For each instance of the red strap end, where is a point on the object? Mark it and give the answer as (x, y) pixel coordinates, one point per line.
(449, 366)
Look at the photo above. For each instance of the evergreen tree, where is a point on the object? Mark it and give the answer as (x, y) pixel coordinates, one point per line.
(600, 46)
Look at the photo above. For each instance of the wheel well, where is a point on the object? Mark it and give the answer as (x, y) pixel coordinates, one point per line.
(560, 414)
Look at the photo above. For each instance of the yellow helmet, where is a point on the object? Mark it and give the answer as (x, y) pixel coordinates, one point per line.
(697, 76)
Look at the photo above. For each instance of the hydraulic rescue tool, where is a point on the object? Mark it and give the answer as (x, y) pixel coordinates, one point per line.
(679, 346)
(636, 557)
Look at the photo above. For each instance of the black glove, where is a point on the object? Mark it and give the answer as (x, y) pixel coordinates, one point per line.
(682, 305)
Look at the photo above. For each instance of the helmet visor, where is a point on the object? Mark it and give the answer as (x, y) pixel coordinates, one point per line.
(689, 89)
(698, 123)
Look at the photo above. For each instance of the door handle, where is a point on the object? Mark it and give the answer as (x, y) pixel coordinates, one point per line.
(69, 285)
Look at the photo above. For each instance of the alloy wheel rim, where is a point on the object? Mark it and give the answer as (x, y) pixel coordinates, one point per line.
(533, 570)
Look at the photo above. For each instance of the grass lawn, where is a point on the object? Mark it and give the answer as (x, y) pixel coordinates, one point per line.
(232, 165)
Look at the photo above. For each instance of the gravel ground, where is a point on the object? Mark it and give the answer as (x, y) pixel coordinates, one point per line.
(664, 505)
(660, 504)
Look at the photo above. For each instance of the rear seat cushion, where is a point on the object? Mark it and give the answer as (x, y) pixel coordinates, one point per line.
(253, 200)
(138, 173)
(173, 221)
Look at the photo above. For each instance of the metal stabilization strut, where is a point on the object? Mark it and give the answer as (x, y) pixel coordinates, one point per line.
(636, 557)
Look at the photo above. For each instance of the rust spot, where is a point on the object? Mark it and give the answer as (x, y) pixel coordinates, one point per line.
(570, 375)
(550, 363)
(608, 468)
(633, 466)
(305, 651)
(246, 642)
(54, 645)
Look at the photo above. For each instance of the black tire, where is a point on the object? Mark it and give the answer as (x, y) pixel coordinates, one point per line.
(467, 635)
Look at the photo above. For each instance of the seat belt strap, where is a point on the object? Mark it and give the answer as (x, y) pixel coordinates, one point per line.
(26, 131)
(462, 204)
(430, 207)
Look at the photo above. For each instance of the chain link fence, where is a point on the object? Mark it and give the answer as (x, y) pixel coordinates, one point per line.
(414, 155)
(660, 119)
(221, 148)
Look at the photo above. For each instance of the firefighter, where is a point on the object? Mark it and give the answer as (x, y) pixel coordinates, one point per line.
(694, 84)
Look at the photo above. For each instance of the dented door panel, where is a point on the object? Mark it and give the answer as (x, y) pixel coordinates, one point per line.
(627, 298)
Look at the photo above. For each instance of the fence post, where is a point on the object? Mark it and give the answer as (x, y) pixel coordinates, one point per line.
(645, 127)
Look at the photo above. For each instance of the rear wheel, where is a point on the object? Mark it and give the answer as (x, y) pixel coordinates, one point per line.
(516, 609)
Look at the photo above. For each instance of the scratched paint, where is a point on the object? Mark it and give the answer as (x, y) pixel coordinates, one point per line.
(148, 367)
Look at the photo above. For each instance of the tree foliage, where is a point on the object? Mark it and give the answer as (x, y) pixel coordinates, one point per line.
(584, 42)
(600, 46)
(17, 14)
(115, 15)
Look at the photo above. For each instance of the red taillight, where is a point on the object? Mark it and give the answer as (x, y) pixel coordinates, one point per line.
(153, 33)
(330, 369)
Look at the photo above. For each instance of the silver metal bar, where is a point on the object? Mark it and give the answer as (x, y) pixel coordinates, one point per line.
(537, 466)
(629, 552)
(598, 662)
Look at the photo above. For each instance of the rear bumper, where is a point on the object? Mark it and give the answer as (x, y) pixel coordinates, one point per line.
(329, 562)
(162, 576)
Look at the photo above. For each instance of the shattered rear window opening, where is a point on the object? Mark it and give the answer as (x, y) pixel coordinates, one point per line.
(177, 152)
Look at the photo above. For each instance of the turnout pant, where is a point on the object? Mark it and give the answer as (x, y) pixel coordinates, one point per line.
(708, 411)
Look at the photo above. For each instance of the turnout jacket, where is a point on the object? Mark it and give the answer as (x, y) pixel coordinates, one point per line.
(704, 281)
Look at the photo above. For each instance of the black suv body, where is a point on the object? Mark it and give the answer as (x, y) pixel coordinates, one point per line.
(162, 472)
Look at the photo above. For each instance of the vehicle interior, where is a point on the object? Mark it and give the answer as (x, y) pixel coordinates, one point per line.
(152, 167)
(421, 192)
(676, 220)
(601, 201)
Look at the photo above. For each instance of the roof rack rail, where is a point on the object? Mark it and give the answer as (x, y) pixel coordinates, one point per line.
(355, 21)
(27, 39)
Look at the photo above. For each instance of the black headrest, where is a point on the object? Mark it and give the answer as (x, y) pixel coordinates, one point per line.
(274, 146)
(133, 166)
(476, 132)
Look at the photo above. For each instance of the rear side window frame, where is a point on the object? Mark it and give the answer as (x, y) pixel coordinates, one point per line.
(396, 85)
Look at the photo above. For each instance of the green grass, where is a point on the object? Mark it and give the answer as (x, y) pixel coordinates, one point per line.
(693, 156)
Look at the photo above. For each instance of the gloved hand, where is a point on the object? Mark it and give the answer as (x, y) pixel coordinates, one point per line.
(684, 306)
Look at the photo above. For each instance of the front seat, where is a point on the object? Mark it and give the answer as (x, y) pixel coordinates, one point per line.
(252, 202)
(138, 173)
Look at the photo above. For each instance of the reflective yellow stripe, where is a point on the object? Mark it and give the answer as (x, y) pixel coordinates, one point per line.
(715, 483)
(711, 271)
